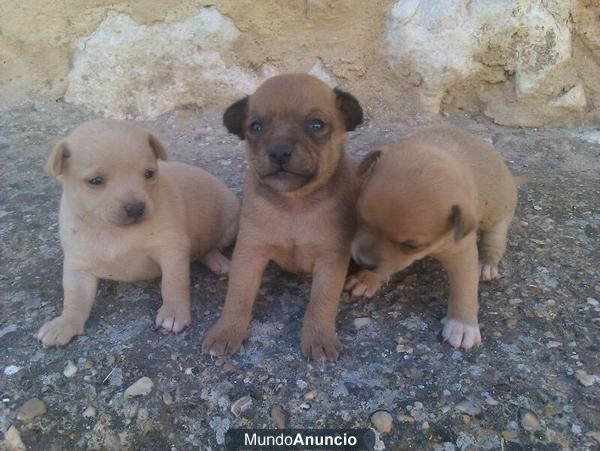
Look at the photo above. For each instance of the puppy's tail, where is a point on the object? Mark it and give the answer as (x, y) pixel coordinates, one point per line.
(520, 180)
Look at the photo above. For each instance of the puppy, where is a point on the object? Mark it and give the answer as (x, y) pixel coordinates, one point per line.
(125, 215)
(298, 206)
(430, 195)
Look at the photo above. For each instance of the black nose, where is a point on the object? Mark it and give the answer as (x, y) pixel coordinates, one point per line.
(134, 210)
(360, 262)
(280, 154)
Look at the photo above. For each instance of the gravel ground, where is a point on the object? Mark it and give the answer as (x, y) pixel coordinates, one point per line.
(533, 383)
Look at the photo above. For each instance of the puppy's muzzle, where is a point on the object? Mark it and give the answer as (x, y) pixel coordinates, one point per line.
(280, 154)
(363, 264)
(134, 210)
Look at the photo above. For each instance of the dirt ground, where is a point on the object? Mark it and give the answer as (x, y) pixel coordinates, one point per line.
(527, 386)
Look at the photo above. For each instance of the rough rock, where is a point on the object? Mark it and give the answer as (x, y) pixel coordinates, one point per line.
(161, 61)
(516, 57)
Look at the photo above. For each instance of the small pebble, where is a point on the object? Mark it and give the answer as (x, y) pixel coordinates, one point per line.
(424, 425)
(141, 387)
(11, 369)
(529, 420)
(468, 407)
(593, 302)
(89, 412)
(585, 379)
(310, 395)
(167, 399)
(228, 367)
(31, 409)
(359, 323)
(240, 405)
(553, 344)
(491, 401)
(305, 406)
(12, 439)
(70, 369)
(595, 435)
(279, 416)
(405, 418)
(382, 421)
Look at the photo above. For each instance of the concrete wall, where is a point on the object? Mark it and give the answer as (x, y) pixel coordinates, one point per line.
(520, 62)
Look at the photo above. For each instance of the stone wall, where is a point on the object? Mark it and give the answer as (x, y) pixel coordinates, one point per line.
(519, 62)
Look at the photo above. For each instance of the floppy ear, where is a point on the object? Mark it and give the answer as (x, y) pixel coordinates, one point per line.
(157, 147)
(350, 109)
(235, 117)
(56, 161)
(462, 221)
(368, 161)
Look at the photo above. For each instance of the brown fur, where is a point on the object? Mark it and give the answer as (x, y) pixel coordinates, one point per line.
(429, 195)
(301, 218)
(188, 214)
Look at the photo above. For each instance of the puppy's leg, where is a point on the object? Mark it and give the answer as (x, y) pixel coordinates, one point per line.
(318, 338)
(175, 312)
(461, 327)
(364, 283)
(79, 295)
(492, 246)
(216, 262)
(230, 331)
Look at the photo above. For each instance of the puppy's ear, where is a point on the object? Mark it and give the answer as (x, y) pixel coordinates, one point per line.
(235, 117)
(462, 221)
(350, 109)
(368, 161)
(57, 160)
(157, 147)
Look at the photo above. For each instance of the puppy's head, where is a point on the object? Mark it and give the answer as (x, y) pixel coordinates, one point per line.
(109, 171)
(410, 206)
(295, 127)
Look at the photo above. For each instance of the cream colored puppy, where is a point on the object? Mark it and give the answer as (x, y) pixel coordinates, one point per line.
(430, 195)
(125, 215)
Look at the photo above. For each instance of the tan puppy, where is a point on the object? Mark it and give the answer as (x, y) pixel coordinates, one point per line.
(298, 206)
(125, 215)
(429, 195)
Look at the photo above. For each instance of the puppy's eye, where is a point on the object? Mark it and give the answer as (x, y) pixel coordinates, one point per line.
(96, 181)
(315, 124)
(409, 245)
(149, 174)
(255, 127)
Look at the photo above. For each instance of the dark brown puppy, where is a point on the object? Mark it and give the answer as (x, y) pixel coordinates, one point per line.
(298, 207)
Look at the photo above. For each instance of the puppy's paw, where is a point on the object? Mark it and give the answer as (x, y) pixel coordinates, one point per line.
(216, 262)
(173, 317)
(363, 284)
(460, 335)
(488, 272)
(320, 345)
(59, 331)
(224, 339)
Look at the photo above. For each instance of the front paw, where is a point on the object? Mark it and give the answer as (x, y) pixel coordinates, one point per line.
(224, 339)
(174, 317)
(363, 284)
(59, 331)
(461, 335)
(320, 344)
(488, 271)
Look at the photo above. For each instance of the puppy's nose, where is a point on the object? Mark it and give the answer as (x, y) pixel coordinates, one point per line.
(134, 210)
(280, 154)
(360, 262)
